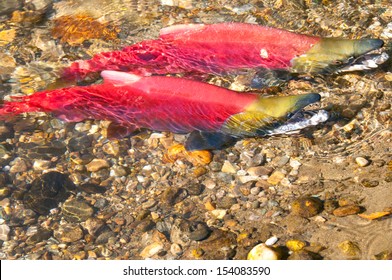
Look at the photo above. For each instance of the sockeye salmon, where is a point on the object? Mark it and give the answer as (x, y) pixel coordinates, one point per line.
(213, 115)
(225, 48)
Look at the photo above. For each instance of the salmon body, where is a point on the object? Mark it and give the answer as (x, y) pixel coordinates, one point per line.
(226, 48)
(165, 104)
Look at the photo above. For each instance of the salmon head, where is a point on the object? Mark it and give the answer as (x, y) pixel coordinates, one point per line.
(275, 115)
(334, 55)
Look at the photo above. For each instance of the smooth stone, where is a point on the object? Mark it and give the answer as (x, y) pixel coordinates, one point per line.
(219, 213)
(173, 195)
(41, 165)
(151, 250)
(195, 189)
(18, 165)
(228, 167)
(4, 232)
(259, 171)
(304, 255)
(175, 249)
(347, 210)
(97, 164)
(41, 235)
(209, 184)
(263, 252)
(226, 202)
(276, 177)
(295, 245)
(149, 204)
(307, 206)
(350, 249)
(199, 232)
(93, 226)
(295, 164)
(362, 162)
(76, 210)
(68, 233)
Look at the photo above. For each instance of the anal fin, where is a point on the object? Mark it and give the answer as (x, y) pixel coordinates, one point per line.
(199, 140)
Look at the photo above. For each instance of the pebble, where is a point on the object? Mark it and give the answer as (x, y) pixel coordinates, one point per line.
(41, 235)
(18, 165)
(229, 167)
(276, 177)
(41, 165)
(173, 195)
(4, 232)
(271, 241)
(195, 189)
(226, 202)
(362, 161)
(295, 245)
(199, 171)
(263, 252)
(149, 204)
(307, 206)
(295, 164)
(151, 250)
(76, 210)
(347, 210)
(369, 183)
(219, 213)
(304, 255)
(111, 148)
(199, 232)
(209, 206)
(350, 249)
(93, 226)
(209, 184)
(175, 249)
(97, 164)
(68, 233)
(384, 255)
(4, 192)
(259, 171)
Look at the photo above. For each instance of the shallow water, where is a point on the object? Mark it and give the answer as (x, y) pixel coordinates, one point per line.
(151, 188)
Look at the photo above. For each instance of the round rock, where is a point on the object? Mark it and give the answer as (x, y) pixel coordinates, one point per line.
(48, 191)
(307, 206)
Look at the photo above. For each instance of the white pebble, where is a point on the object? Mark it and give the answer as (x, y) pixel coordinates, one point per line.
(271, 241)
(362, 161)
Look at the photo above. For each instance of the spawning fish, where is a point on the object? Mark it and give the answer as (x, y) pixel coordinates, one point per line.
(231, 47)
(213, 115)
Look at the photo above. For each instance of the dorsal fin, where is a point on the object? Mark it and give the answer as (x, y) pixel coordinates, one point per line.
(119, 78)
(179, 28)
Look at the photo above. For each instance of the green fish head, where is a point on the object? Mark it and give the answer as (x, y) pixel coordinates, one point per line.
(333, 55)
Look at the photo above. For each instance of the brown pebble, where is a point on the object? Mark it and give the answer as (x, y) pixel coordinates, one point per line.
(199, 171)
(369, 183)
(350, 249)
(347, 210)
(307, 206)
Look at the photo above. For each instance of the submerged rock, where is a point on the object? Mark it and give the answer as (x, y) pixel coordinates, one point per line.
(47, 191)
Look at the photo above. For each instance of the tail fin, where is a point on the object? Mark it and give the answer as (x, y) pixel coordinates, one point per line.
(13, 108)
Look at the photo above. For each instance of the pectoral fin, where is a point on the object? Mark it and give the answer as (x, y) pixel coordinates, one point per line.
(199, 140)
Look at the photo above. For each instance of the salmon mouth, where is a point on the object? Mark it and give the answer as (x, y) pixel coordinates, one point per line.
(368, 61)
(300, 120)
